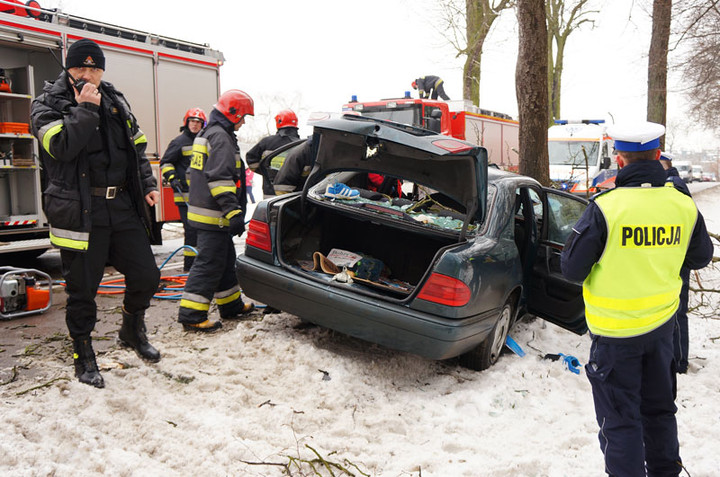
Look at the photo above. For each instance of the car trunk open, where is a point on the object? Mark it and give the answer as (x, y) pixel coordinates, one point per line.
(445, 202)
(405, 253)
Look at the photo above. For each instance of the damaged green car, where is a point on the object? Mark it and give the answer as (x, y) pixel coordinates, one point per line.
(441, 263)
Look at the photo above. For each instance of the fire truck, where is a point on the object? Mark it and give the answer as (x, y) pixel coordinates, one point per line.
(153, 72)
(497, 132)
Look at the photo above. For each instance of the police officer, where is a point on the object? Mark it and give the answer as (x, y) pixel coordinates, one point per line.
(217, 210)
(286, 122)
(681, 339)
(97, 188)
(628, 248)
(430, 87)
(174, 165)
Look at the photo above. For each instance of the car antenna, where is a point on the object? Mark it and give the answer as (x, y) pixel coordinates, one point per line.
(77, 84)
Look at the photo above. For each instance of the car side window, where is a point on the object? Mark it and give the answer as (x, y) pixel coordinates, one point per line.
(563, 214)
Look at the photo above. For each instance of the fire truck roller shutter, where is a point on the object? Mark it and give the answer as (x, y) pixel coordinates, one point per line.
(183, 85)
(132, 74)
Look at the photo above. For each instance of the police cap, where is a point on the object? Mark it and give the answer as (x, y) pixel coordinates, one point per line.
(666, 156)
(637, 136)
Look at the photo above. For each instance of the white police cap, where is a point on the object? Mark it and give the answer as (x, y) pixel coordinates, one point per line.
(637, 136)
(666, 156)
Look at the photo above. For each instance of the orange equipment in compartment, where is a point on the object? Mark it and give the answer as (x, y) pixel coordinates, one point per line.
(24, 291)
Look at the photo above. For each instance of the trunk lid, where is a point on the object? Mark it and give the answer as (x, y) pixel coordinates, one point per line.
(454, 168)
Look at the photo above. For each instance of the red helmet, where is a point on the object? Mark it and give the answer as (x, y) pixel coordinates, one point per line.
(235, 105)
(414, 85)
(195, 113)
(286, 119)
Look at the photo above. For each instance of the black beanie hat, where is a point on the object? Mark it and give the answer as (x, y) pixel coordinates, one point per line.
(85, 53)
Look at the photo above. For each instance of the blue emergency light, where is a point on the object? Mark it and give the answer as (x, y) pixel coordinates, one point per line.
(407, 94)
(579, 121)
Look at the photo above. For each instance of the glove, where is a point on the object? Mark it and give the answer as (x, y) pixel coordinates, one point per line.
(237, 225)
(176, 185)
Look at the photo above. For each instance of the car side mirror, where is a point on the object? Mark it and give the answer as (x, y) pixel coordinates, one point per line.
(605, 163)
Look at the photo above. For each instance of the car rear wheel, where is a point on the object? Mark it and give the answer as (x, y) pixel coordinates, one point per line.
(488, 352)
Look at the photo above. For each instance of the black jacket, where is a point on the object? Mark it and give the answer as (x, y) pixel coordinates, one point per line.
(586, 244)
(176, 160)
(217, 176)
(265, 146)
(70, 138)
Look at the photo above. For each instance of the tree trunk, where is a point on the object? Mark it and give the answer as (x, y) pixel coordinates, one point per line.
(531, 88)
(556, 85)
(480, 15)
(657, 64)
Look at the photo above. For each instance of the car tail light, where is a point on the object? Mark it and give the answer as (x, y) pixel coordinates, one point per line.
(452, 145)
(445, 291)
(258, 236)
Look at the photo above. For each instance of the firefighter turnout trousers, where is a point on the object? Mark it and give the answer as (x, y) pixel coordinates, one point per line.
(125, 245)
(635, 403)
(212, 276)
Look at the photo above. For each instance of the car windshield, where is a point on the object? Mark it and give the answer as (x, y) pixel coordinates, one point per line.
(572, 153)
(403, 115)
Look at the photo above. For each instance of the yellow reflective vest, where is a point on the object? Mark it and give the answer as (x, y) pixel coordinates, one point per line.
(635, 286)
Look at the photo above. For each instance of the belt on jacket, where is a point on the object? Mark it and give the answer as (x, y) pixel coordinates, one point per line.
(107, 192)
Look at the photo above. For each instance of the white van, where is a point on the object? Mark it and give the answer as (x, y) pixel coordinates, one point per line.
(684, 168)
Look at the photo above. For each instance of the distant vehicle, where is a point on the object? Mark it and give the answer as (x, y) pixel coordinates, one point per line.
(708, 177)
(496, 132)
(577, 151)
(443, 271)
(684, 169)
(697, 173)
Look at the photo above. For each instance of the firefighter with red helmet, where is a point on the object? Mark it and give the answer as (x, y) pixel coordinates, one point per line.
(174, 165)
(216, 208)
(286, 122)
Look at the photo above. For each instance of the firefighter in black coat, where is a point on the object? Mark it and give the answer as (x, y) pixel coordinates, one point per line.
(174, 165)
(430, 87)
(287, 132)
(217, 210)
(98, 187)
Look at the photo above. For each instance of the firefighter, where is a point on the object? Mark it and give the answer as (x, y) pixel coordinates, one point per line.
(430, 87)
(681, 338)
(628, 247)
(174, 165)
(287, 131)
(295, 169)
(217, 210)
(98, 187)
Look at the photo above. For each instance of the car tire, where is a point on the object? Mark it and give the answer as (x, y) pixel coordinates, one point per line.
(488, 352)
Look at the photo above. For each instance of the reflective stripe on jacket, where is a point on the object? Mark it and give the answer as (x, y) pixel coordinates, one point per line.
(635, 286)
(69, 140)
(215, 169)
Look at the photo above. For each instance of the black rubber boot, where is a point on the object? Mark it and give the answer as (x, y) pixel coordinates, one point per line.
(86, 368)
(132, 334)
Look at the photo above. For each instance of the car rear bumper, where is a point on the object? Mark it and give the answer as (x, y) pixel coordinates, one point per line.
(389, 324)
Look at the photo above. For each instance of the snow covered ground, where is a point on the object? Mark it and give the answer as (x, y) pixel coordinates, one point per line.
(267, 393)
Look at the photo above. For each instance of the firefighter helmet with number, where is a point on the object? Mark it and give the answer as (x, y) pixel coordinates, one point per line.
(235, 105)
(286, 119)
(195, 113)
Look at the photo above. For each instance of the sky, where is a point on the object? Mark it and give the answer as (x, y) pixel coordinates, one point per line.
(313, 56)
